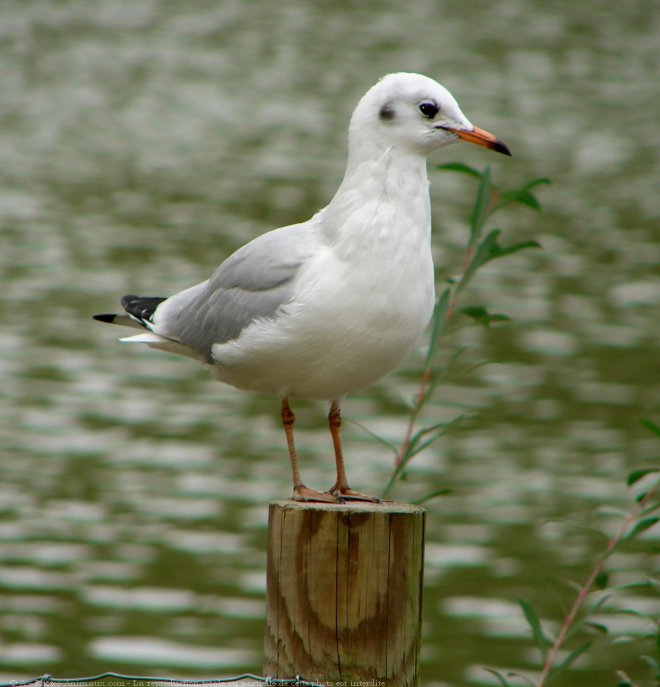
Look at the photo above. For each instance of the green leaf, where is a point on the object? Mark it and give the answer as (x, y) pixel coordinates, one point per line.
(645, 496)
(597, 627)
(636, 614)
(521, 195)
(481, 315)
(601, 580)
(382, 440)
(436, 431)
(501, 679)
(438, 326)
(501, 251)
(642, 584)
(436, 379)
(650, 508)
(460, 167)
(600, 603)
(640, 526)
(650, 425)
(480, 209)
(606, 511)
(414, 447)
(529, 199)
(572, 657)
(636, 475)
(564, 582)
(489, 249)
(433, 495)
(622, 680)
(535, 182)
(418, 448)
(541, 641)
(480, 257)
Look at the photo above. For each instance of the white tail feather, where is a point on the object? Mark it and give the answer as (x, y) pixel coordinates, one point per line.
(163, 344)
(146, 337)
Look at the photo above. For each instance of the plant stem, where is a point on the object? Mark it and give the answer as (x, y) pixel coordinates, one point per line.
(426, 373)
(419, 402)
(584, 591)
(421, 398)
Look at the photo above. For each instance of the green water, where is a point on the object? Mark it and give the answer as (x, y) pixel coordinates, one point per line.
(143, 141)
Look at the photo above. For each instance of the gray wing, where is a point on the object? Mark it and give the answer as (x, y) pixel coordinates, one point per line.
(251, 283)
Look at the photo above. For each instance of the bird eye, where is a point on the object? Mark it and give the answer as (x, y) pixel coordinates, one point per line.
(429, 109)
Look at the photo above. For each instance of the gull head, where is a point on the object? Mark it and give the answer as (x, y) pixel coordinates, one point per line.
(415, 114)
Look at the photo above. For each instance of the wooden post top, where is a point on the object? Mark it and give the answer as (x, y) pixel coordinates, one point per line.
(352, 506)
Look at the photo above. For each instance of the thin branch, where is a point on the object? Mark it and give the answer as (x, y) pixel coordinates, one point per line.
(585, 589)
(426, 373)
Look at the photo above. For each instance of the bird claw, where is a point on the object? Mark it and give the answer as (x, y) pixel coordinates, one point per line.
(335, 495)
(307, 495)
(348, 494)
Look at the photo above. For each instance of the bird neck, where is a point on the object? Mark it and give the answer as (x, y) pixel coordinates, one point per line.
(381, 195)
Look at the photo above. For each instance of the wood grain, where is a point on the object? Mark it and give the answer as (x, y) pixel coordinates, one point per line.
(344, 592)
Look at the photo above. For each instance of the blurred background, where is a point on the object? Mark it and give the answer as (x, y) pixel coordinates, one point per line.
(140, 143)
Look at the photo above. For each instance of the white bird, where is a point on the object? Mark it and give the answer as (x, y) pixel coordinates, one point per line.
(319, 309)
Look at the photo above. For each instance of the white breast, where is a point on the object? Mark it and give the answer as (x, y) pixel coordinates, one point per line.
(360, 305)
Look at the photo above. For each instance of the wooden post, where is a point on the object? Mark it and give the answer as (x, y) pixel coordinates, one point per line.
(344, 593)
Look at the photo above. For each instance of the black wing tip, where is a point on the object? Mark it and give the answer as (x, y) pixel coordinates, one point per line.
(141, 307)
(110, 318)
(128, 299)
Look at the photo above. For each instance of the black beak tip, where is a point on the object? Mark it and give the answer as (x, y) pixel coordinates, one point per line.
(500, 147)
(104, 318)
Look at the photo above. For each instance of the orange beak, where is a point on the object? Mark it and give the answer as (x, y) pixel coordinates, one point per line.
(481, 138)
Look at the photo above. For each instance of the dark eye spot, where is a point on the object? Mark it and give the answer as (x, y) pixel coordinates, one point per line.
(386, 112)
(429, 109)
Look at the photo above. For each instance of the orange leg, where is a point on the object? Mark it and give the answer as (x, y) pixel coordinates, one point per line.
(300, 491)
(341, 489)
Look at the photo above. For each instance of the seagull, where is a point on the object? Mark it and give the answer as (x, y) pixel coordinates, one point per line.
(320, 309)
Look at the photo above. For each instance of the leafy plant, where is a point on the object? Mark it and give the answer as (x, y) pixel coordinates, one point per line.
(579, 629)
(483, 246)
(594, 595)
